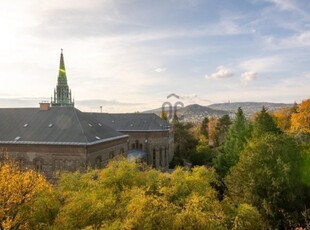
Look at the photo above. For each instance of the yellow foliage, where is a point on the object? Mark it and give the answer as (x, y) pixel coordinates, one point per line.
(300, 121)
(283, 118)
(17, 189)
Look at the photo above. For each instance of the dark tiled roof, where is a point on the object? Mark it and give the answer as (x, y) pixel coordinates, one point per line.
(132, 121)
(58, 125)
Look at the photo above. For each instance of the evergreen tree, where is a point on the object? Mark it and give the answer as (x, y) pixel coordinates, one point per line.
(264, 123)
(222, 127)
(236, 138)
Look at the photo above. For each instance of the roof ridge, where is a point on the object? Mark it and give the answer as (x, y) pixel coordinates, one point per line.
(86, 140)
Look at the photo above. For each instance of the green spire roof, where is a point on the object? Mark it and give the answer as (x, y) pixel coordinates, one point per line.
(62, 93)
(62, 77)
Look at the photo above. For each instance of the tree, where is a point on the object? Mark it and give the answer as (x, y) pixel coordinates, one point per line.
(301, 119)
(264, 123)
(204, 127)
(184, 140)
(236, 138)
(18, 190)
(283, 118)
(267, 177)
(122, 196)
(212, 131)
(164, 115)
(222, 127)
(202, 156)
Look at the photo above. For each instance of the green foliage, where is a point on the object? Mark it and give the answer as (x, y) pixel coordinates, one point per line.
(204, 127)
(264, 123)
(247, 218)
(202, 156)
(305, 167)
(267, 177)
(122, 196)
(184, 140)
(176, 161)
(222, 127)
(236, 138)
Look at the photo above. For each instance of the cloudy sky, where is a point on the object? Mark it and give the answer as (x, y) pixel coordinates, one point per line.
(128, 55)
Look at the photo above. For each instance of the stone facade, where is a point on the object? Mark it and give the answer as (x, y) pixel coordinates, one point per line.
(157, 144)
(51, 159)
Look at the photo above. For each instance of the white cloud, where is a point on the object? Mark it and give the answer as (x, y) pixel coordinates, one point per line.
(265, 64)
(300, 39)
(159, 70)
(221, 72)
(248, 76)
(284, 4)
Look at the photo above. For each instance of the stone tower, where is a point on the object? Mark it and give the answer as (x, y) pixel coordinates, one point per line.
(62, 93)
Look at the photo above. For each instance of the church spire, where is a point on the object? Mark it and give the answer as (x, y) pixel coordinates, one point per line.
(62, 93)
(62, 77)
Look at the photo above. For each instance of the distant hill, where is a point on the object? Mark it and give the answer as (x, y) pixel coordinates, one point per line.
(195, 112)
(248, 107)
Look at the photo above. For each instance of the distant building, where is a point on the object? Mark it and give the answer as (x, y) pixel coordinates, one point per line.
(60, 137)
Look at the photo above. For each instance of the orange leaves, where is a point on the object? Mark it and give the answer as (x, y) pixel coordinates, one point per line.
(300, 121)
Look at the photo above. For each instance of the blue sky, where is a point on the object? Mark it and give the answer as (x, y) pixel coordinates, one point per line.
(129, 55)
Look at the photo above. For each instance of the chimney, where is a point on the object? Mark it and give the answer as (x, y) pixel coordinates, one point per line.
(44, 106)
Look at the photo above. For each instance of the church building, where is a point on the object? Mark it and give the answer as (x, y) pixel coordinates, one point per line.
(58, 137)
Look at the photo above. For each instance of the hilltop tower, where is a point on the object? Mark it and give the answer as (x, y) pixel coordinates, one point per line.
(62, 93)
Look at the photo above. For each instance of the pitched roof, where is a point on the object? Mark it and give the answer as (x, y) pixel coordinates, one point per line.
(132, 121)
(58, 125)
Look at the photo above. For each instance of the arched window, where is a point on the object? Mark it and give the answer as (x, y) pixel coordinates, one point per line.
(141, 146)
(98, 162)
(38, 164)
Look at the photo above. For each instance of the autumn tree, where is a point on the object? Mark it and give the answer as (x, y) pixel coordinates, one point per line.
(122, 196)
(212, 132)
(204, 127)
(18, 190)
(164, 115)
(283, 117)
(301, 119)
